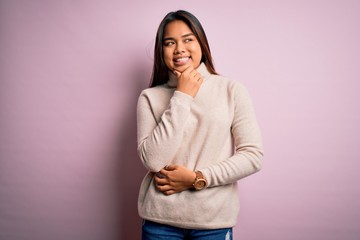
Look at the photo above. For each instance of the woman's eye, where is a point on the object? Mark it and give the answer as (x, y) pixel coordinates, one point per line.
(168, 43)
(188, 40)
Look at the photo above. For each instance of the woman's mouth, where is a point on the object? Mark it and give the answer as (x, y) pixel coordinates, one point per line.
(182, 61)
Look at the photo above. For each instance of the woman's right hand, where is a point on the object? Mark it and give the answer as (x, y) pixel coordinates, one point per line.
(174, 179)
(189, 81)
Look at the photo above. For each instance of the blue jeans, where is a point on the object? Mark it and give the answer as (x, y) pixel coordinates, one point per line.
(157, 231)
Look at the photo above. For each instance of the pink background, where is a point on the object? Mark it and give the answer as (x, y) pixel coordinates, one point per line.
(70, 75)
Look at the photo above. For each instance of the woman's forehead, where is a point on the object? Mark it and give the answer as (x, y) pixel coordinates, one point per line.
(176, 29)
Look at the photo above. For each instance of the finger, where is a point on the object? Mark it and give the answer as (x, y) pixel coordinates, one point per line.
(156, 179)
(160, 175)
(171, 167)
(194, 72)
(188, 70)
(194, 75)
(164, 188)
(164, 172)
(170, 192)
(161, 181)
(177, 73)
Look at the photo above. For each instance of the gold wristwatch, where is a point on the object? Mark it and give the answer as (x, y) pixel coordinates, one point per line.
(200, 182)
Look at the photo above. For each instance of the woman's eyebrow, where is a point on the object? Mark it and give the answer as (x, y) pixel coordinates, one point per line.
(183, 36)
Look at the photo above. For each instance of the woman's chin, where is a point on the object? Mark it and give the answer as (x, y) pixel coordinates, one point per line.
(182, 68)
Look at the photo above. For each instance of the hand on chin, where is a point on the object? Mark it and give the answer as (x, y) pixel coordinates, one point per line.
(181, 69)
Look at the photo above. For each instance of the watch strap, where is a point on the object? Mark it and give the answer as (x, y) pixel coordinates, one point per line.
(199, 175)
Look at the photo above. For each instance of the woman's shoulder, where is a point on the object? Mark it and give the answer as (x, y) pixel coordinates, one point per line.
(228, 82)
(157, 92)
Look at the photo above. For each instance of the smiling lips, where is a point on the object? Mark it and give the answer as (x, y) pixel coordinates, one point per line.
(181, 61)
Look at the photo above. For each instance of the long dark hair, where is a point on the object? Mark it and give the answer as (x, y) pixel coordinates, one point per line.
(160, 71)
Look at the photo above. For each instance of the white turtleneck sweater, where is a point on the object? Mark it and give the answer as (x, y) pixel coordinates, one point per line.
(216, 132)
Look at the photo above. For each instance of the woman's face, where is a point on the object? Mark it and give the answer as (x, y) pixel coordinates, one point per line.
(180, 46)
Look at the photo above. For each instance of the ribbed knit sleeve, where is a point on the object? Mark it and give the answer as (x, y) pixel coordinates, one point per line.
(248, 155)
(159, 139)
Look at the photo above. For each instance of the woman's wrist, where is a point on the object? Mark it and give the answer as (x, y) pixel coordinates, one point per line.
(200, 181)
(192, 178)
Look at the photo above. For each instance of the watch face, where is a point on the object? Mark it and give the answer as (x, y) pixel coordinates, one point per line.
(200, 184)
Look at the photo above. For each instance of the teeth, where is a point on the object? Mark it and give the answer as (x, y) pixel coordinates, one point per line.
(182, 59)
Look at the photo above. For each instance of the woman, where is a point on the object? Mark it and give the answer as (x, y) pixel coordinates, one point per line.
(197, 135)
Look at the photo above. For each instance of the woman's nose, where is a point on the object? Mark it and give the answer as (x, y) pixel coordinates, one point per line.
(179, 48)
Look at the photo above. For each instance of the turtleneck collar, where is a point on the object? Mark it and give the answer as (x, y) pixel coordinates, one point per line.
(201, 69)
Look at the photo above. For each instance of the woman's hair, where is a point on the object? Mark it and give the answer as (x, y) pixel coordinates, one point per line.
(160, 71)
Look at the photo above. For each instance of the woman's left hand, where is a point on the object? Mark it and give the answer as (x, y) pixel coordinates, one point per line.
(176, 179)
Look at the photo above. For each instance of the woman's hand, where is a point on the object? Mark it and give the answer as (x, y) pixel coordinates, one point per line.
(176, 179)
(189, 81)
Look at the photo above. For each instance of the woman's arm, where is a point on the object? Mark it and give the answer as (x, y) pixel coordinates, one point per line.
(248, 155)
(159, 141)
(246, 160)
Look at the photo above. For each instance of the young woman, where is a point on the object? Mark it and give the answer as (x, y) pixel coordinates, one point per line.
(197, 136)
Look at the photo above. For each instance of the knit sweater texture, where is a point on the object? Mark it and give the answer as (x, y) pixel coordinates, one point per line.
(216, 132)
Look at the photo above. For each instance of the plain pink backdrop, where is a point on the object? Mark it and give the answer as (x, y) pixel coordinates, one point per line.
(70, 75)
